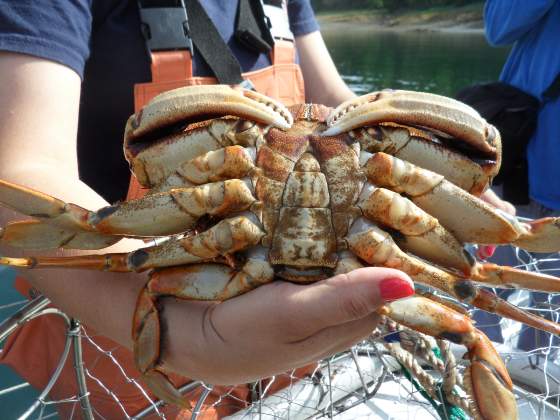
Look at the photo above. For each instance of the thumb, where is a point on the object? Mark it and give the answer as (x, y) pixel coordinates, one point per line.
(351, 296)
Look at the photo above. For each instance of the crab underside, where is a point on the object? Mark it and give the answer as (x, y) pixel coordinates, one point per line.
(246, 191)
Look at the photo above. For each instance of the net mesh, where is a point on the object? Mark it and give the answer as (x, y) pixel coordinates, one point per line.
(394, 373)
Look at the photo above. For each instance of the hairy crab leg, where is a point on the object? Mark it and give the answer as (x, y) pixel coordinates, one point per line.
(199, 282)
(377, 247)
(225, 238)
(424, 149)
(487, 376)
(423, 235)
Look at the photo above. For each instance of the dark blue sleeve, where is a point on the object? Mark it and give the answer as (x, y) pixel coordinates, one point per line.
(57, 30)
(506, 21)
(302, 17)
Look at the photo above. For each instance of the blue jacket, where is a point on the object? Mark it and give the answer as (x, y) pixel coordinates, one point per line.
(533, 27)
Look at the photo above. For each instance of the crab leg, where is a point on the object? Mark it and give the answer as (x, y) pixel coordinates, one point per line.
(423, 235)
(218, 165)
(467, 217)
(540, 235)
(66, 224)
(154, 162)
(44, 207)
(199, 282)
(424, 149)
(159, 214)
(487, 376)
(225, 238)
(34, 234)
(376, 247)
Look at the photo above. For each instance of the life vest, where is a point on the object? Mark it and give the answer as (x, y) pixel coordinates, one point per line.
(35, 348)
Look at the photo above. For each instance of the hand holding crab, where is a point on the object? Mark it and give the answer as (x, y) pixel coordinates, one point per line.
(251, 191)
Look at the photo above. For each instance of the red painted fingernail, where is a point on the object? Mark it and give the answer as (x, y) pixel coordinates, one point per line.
(395, 288)
(486, 251)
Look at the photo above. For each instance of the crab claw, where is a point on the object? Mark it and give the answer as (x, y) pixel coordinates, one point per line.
(439, 113)
(196, 103)
(487, 379)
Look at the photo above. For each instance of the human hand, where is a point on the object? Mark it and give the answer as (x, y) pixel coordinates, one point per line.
(492, 198)
(277, 327)
(489, 196)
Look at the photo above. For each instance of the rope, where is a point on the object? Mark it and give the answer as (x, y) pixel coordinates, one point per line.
(406, 346)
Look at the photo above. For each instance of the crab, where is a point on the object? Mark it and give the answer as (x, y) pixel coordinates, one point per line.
(244, 191)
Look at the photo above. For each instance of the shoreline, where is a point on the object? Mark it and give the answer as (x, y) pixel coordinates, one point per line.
(445, 27)
(466, 19)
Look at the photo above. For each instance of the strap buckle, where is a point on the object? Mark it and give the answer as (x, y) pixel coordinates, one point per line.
(165, 28)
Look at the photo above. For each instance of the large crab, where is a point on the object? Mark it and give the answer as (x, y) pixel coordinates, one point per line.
(247, 191)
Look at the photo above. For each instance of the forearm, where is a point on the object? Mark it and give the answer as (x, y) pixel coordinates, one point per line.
(323, 84)
(39, 103)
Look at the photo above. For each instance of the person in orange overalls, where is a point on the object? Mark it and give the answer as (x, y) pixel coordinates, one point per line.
(68, 76)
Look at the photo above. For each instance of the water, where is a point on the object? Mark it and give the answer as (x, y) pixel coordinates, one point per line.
(368, 61)
(433, 62)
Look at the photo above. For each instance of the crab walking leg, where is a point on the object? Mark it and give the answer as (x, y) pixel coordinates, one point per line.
(174, 211)
(65, 225)
(426, 238)
(540, 235)
(159, 214)
(488, 378)
(43, 207)
(198, 282)
(424, 149)
(376, 247)
(34, 234)
(153, 162)
(218, 165)
(423, 235)
(225, 238)
(467, 217)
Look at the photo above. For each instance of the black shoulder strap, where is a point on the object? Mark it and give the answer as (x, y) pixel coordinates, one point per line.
(553, 91)
(211, 46)
(252, 28)
(156, 15)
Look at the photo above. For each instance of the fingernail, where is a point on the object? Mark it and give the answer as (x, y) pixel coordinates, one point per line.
(486, 251)
(395, 288)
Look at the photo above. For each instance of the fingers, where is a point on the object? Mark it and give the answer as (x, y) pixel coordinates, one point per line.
(339, 338)
(492, 198)
(278, 326)
(346, 297)
(485, 251)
